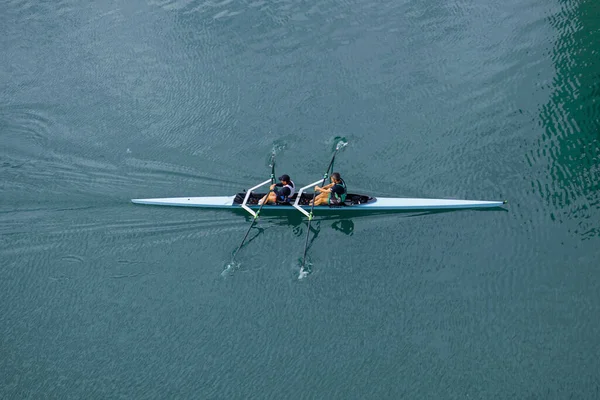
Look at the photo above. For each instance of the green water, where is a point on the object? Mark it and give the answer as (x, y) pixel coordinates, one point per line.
(107, 101)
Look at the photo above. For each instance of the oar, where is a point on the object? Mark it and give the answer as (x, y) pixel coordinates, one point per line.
(259, 209)
(310, 216)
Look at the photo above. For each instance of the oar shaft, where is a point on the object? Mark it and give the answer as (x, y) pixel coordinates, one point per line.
(323, 182)
(244, 239)
(260, 208)
(252, 224)
(305, 246)
(313, 207)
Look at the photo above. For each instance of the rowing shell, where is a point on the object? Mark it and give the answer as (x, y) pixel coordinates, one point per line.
(353, 202)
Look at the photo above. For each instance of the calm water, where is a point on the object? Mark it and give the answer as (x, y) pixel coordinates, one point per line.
(102, 102)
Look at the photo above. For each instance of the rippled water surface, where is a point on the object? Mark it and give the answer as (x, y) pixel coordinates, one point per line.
(106, 101)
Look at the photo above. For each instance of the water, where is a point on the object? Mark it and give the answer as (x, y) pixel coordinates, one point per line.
(101, 103)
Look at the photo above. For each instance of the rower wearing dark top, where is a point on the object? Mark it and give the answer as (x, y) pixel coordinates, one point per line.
(280, 192)
(332, 194)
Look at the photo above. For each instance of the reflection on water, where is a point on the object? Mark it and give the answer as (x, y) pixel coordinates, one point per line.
(572, 121)
(346, 226)
(297, 222)
(342, 222)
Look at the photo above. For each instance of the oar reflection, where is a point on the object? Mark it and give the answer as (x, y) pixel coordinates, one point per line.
(298, 224)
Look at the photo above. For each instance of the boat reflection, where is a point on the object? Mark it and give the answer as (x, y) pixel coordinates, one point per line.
(343, 222)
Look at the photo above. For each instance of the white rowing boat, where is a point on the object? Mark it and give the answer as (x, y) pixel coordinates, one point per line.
(354, 202)
(379, 203)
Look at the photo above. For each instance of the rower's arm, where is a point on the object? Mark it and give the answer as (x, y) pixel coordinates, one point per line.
(321, 189)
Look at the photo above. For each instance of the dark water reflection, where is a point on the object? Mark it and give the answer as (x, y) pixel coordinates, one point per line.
(571, 143)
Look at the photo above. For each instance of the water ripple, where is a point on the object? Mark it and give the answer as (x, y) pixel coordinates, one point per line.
(569, 146)
(26, 128)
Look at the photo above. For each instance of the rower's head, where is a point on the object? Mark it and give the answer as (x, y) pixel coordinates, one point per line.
(285, 179)
(335, 177)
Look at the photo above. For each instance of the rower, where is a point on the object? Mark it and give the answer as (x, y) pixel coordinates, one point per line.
(333, 194)
(280, 192)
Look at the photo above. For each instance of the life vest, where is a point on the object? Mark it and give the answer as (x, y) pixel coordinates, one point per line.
(339, 198)
(292, 188)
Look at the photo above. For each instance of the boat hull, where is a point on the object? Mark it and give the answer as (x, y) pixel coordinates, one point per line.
(376, 204)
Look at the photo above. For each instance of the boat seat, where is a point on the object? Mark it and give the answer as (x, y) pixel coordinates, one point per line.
(351, 199)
